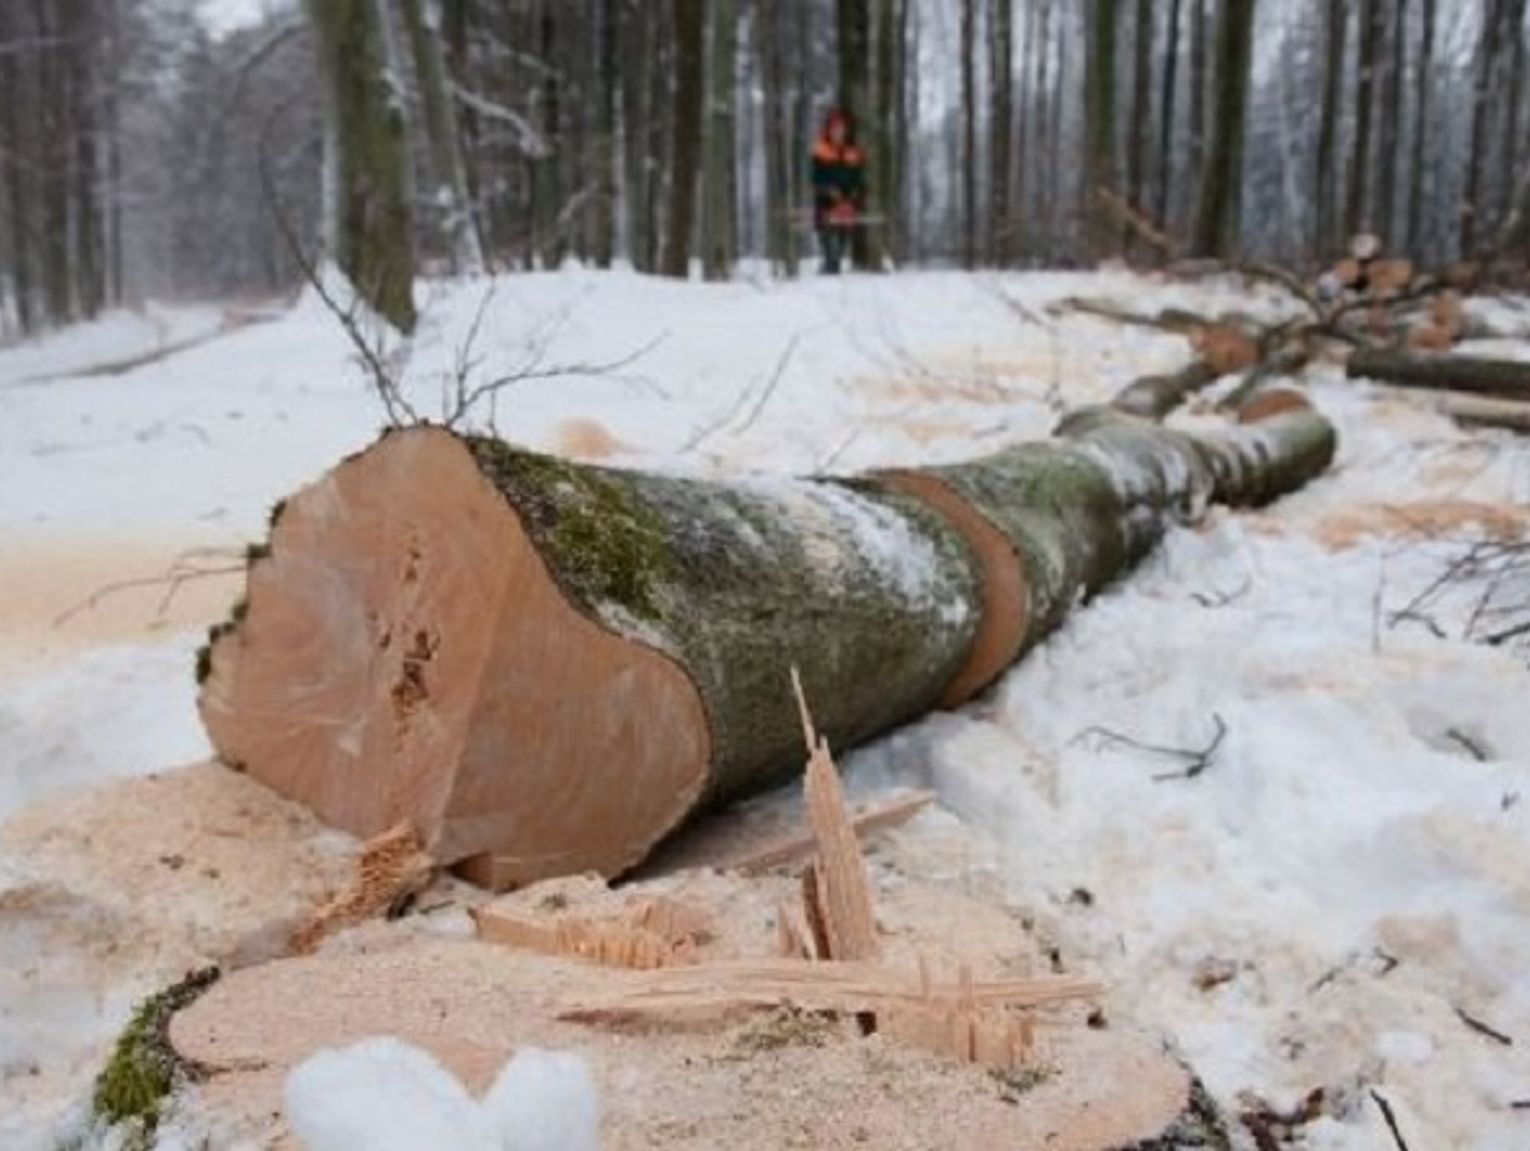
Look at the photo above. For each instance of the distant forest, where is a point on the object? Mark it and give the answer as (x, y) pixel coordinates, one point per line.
(140, 155)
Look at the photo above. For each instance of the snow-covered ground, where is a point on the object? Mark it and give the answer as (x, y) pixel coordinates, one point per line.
(1320, 907)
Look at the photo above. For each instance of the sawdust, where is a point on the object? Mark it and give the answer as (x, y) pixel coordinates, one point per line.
(1418, 520)
(47, 574)
(587, 440)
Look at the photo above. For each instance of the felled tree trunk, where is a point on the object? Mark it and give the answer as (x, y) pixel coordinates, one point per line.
(1154, 397)
(1506, 379)
(551, 666)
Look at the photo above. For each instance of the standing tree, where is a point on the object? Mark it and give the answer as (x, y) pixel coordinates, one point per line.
(1423, 86)
(1218, 210)
(1000, 125)
(969, 135)
(422, 18)
(1099, 125)
(370, 229)
(1166, 113)
(721, 245)
(690, 49)
(1142, 113)
(1327, 239)
(1371, 17)
(853, 41)
(607, 80)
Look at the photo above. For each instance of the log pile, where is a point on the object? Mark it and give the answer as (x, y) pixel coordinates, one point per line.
(545, 668)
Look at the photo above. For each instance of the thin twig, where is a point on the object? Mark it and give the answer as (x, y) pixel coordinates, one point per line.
(1482, 1028)
(1196, 760)
(1386, 1113)
(180, 573)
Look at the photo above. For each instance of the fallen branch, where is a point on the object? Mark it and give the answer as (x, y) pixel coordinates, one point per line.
(1196, 760)
(1482, 1028)
(1505, 379)
(1391, 1119)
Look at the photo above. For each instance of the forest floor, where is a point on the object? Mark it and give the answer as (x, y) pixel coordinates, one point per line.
(1341, 899)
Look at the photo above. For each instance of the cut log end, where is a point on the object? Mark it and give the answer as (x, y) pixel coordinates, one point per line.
(1267, 403)
(404, 640)
(1004, 620)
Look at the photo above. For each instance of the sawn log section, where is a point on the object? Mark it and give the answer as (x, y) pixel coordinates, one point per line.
(556, 665)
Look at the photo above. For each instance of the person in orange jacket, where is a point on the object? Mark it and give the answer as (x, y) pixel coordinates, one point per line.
(839, 186)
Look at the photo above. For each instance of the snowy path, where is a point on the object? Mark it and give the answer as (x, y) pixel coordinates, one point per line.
(1316, 909)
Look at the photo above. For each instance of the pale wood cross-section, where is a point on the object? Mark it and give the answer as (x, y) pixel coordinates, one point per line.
(840, 873)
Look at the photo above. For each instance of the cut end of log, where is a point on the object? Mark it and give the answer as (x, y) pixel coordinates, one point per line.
(407, 657)
(1268, 403)
(1005, 617)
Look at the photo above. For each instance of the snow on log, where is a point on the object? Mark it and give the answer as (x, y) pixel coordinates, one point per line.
(1505, 379)
(551, 666)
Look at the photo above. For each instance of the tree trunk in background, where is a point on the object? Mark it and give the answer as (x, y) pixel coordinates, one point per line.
(778, 167)
(1023, 222)
(1360, 160)
(1045, 199)
(1166, 111)
(374, 227)
(1420, 185)
(720, 248)
(853, 48)
(581, 666)
(968, 161)
(56, 115)
(1099, 127)
(546, 184)
(607, 81)
(1511, 43)
(689, 95)
(1327, 197)
(1389, 138)
(638, 125)
(886, 160)
(1142, 112)
(1000, 125)
(15, 153)
(451, 191)
(1197, 156)
(1219, 207)
(84, 78)
(1473, 203)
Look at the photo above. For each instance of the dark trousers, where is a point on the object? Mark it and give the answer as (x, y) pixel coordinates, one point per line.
(833, 241)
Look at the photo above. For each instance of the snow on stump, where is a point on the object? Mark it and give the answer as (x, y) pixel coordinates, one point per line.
(544, 667)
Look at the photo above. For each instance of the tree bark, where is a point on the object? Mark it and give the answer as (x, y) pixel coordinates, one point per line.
(1142, 113)
(1327, 194)
(853, 49)
(721, 247)
(1218, 210)
(777, 118)
(451, 191)
(1000, 125)
(1391, 115)
(370, 210)
(607, 79)
(1507, 379)
(969, 177)
(1099, 126)
(556, 665)
(1419, 185)
(1166, 112)
(1355, 217)
(689, 94)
